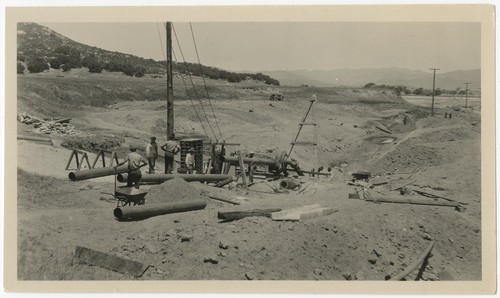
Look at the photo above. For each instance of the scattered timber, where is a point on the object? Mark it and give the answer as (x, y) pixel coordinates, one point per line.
(415, 264)
(408, 183)
(431, 195)
(403, 200)
(146, 211)
(235, 215)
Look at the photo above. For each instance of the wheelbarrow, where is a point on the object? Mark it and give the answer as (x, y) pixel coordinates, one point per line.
(128, 196)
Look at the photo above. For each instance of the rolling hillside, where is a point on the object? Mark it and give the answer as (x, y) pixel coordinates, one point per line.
(388, 76)
(39, 45)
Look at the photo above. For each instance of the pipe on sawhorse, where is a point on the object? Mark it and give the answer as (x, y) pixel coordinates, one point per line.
(145, 211)
(94, 173)
(160, 178)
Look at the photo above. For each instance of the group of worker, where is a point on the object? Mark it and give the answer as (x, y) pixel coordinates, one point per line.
(136, 161)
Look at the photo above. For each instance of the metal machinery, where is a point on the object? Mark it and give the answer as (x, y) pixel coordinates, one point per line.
(197, 144)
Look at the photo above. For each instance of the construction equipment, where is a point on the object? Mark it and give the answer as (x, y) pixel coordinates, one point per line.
(126, 196)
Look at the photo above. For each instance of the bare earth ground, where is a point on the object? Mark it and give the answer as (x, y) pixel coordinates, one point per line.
(363, 240)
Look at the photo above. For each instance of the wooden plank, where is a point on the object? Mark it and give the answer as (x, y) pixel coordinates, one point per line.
(383, 129)
(431, 195)
(304, 143)
(118, 264)
(303, 212)
(235, 215)
(408, 183)
(318, 212)
(242, 168)
(404, 200)
(223, 200)
(415, 264)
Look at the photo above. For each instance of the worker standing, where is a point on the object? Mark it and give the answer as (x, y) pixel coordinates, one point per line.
(135, 163)
(171, 148)
(190, 160)
(152, 154)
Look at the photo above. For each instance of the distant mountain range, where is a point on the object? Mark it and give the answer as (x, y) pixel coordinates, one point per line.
(387, 76)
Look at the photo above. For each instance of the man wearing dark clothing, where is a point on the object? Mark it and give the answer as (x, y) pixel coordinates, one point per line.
(171, 148)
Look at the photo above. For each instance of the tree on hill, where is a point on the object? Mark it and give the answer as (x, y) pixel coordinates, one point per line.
(55, 63)
(419, 91)
(92, 64)
(369, 85)
(37, 65)
(20, 68)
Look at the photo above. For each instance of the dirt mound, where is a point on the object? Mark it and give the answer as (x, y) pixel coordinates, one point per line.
(173, 190)
(406, 158)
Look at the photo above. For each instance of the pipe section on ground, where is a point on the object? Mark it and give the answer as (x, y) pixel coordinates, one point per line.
(145, 211)
(160, 178)
(94, 173)
(289, 183)
(233, 160)
(36, 139)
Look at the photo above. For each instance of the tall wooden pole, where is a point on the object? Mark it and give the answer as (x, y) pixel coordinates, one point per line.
(433, 86)
(170, 83)
(466, 93)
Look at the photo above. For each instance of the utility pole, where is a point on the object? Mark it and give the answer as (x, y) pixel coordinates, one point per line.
(170, 82)
(433, 86)
(466, 93)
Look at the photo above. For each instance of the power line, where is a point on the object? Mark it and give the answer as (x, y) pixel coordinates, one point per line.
(190, 100)
(185, 86)
(433, 85)
(466, 93)
(192, 83)
(204, 83)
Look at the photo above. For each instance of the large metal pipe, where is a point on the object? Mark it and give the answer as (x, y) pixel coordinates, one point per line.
(159, 178)
(145, 211)
(289, 183)
(36, 139)
(94, 173)
(233, 160)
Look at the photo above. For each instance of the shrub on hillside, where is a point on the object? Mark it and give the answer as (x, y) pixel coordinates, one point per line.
(95, 67)
(37, 65)
(55, 63)
(20, 68)
(92, 143)
(66, 67)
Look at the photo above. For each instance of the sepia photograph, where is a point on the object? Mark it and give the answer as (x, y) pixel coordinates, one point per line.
(191, 149)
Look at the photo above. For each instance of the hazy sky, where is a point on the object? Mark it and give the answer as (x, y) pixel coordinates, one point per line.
(290, 46)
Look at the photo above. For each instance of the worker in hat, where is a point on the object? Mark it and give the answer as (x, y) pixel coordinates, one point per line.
(152, 154)
(171, 148)
(190, 160)
(135, 163)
